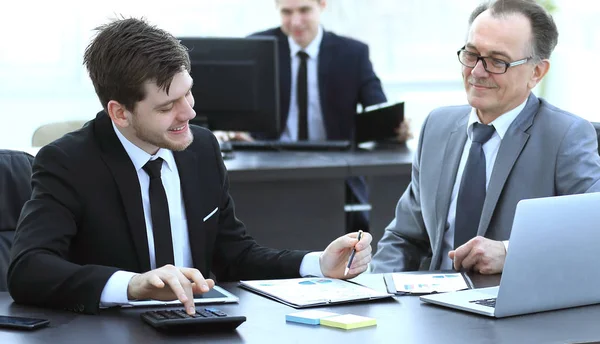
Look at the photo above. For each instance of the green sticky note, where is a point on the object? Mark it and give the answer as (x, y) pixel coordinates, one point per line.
(348, 321)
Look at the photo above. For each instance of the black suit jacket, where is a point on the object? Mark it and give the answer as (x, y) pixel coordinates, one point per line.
(85, 221)
(346, 79)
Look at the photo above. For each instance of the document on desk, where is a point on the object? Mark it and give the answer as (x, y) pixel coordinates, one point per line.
(418, 283)
(312, 292)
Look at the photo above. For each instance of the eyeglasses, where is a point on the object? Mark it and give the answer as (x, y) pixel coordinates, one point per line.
(490, 64)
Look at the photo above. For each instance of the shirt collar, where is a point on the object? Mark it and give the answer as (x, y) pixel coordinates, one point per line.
(139, 157)
(501, 124)
(312, 49)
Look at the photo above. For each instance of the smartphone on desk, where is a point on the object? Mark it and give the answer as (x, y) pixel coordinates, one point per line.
(22, 323)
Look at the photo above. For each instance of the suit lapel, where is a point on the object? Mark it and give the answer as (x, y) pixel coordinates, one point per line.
(510, 148)
(448, 171)
(285, 77)
(190, 176)
(324, 64)
(125, 175)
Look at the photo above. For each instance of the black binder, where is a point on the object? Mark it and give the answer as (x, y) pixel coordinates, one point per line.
(378, 122)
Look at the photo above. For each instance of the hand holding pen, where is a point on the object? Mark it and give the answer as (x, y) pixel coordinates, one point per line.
(352, 255)
(334, 261)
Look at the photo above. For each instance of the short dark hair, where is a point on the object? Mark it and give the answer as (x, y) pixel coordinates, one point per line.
(277, 1)
(128, 52)
(543, 29)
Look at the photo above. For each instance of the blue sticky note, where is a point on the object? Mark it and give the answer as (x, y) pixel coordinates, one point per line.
(312, 317)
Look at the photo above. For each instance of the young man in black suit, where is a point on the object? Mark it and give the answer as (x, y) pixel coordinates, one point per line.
(339, 76)
(136, 205)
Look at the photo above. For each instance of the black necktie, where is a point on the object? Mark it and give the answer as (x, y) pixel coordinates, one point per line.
(302, 95)
(159, 208)
(471, 194)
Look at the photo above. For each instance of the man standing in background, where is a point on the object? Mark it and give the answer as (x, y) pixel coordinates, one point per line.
(322, 79)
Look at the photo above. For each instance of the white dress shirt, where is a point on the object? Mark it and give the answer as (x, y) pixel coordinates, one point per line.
(490, 149)
(316, 127)
(115, 290)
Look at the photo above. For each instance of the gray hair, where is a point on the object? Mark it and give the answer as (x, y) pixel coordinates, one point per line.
(543, 28)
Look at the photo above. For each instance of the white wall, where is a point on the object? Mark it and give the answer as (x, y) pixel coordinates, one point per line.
(413, 45)
(574, 70)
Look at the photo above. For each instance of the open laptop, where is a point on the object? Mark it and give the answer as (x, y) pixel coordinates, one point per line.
(552, 261)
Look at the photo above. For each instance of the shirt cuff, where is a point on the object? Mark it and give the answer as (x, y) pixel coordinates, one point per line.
(310, 265)
(505, 242)
(115, 290)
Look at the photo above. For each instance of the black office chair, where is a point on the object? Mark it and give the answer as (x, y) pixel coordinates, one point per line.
(15, 190)
(597, 127)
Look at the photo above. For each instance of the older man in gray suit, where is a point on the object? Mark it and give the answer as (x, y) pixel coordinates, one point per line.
(475, 163)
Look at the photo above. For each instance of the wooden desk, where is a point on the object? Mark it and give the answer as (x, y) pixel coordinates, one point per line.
(403, 319)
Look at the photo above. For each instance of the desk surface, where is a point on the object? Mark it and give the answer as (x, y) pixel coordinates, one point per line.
(391, 160)
(260, 166)
(402, 319)
(269, 165)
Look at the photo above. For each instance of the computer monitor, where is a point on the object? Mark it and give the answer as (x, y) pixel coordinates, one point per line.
(236, 83)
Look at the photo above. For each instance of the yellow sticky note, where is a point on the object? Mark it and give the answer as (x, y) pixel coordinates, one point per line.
(348, 321)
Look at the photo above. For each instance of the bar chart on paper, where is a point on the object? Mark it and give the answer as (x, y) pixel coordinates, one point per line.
(425, 283)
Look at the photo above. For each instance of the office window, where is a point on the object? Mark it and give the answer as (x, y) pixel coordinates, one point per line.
(412, 45)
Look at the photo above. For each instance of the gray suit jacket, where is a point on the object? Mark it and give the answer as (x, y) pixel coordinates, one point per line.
(545, 152)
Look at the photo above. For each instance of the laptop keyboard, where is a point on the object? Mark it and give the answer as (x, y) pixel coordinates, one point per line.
(491, 302)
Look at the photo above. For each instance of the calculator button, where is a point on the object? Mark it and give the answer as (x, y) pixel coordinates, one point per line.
(205, 314)
(155, 315)
(181, 314)
(216, 312)
(168, 315)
